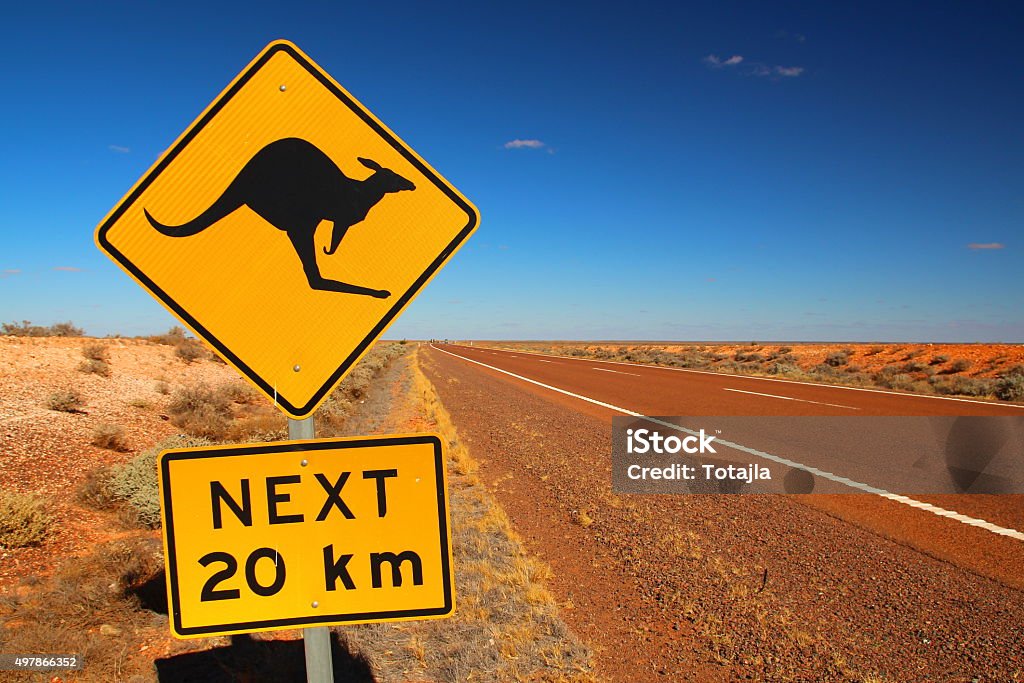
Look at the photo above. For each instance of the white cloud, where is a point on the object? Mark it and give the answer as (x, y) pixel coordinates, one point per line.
(68, 269)
(986, 245)
(753, 68)
(8, 272)
(528, 144)
(119, 149)
(715, 62)
(789, 71)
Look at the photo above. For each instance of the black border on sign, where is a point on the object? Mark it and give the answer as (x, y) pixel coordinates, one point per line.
(174, 594)
(307, 408)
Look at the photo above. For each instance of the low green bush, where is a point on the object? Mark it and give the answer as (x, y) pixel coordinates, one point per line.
(1010, 387)
(135, 482)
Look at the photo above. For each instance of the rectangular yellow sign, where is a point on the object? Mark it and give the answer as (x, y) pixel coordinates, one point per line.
(293, 534)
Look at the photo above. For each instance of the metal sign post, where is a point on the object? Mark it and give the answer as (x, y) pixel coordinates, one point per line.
(317, 640)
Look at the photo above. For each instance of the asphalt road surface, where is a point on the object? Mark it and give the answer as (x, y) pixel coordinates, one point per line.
(569, 405)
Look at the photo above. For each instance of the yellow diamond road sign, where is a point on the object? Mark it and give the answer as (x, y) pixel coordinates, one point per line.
(294, 534)
(287, 227)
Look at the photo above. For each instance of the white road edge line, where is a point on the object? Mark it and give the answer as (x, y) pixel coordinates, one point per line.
(617, 372)
(772, 379)
(786, 398)
(941, 512)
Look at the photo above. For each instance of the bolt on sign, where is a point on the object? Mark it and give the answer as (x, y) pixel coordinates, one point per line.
(296, 534)
(287, 227)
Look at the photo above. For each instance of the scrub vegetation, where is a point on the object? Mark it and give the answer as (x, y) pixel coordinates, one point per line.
(108, 602)
(23, 520)
(994, 372)
(26, 329)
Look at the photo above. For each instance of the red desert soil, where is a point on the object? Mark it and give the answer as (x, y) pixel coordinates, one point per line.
(48, 452)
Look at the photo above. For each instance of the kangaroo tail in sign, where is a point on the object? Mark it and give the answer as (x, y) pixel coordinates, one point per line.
(220, 208)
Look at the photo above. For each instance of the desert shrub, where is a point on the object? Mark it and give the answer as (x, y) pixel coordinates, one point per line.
(965, 386)
(23, 520)
(958, 365)
(1010, 387)
(263, 427)
(785, 369)
(98, 352)
(694, 360)
(67, 401)
(892, 378)
(135, 482)
(200, 411)
(745, 357)
(939, 359)
(660, 357)
(874, 351)
(94, 491)
(910, 355)
(729, 366)
(188, 350)
(110, 437)
(238, 393)
(172, 337)
(191, 399)
(95, 367)
(162, 387)
(913, 366)
(783, 350)
(26, 329)
(837, 358)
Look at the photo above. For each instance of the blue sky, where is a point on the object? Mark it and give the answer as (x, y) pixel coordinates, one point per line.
(799, 171)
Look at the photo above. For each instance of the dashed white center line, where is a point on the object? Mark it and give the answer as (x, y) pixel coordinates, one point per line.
(546, 361)
(617, 372)
(790, 398)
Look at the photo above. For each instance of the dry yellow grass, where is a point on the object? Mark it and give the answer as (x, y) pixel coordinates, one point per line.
(506, 626)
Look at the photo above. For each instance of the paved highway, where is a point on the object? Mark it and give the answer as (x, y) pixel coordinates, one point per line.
(869, 566)
(898, 456)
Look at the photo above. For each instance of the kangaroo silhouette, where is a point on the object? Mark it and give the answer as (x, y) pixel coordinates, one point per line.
(293, 185)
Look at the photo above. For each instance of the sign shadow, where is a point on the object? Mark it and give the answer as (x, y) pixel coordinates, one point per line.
(249, 659)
